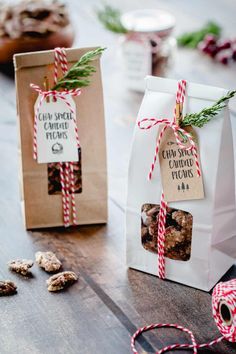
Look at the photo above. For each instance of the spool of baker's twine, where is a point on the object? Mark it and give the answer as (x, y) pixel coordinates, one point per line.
(224, 313)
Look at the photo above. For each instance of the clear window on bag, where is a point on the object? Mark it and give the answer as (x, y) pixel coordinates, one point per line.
(54, 181)
(178, 236)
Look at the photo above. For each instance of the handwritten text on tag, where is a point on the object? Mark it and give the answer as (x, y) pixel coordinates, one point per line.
(178, 171)
(56, 134)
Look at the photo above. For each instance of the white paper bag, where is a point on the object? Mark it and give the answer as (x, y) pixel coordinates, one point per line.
(213, 240)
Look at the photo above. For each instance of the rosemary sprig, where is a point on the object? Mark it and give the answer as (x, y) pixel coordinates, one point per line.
(206, 114)
(110, 18)
(191, 39)
(78, 74)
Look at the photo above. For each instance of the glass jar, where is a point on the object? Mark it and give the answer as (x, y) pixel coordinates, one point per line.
(148, 46)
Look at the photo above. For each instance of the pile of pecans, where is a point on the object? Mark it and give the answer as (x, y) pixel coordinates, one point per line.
(178, 234)
(32, 18)
(45, 260)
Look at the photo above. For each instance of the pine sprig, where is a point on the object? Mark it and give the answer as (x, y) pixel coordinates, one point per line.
(110, 18)
(78, 74)
(206, 114)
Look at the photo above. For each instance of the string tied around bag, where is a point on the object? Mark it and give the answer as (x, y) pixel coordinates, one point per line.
(67, 178)
(186, 142)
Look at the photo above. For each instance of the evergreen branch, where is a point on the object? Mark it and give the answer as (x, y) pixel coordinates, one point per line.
(77, 76)
(206, 114)
(191, 39)
(110, 18)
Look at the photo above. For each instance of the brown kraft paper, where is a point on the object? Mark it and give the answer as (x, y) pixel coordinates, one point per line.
(41, 209)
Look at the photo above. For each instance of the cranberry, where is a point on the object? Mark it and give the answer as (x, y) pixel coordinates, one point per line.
(210, 39)
(234, 55)
(224, 44)
(224, 56)
(224, 60)
(203, 47)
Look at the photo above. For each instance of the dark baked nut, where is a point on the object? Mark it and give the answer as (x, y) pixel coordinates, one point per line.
(48, 261)
(183, 219)
(7, 287)
(21, 266)
(153, 211)
(61, 280)
(173, 238)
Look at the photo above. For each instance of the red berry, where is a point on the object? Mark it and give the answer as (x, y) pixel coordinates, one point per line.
(234, 55)
(210, 39)
(203, 47)
(224, 44)
(224, 56)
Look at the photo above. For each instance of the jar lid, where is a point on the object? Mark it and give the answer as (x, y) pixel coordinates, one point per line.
(149, 20)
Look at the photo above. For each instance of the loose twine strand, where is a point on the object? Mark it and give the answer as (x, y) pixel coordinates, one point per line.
(223, 293)
(67, 178)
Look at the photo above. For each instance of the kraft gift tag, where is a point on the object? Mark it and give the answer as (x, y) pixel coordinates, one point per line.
(178, 170)
(56, 130)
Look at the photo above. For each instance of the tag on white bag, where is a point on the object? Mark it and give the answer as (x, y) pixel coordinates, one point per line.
(56, 131)
(180, 180)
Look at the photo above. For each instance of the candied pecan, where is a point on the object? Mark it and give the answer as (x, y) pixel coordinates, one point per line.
(7, 287)
(21, 266)
(183, 219)
(48, 261)
(153, 228)
(61, 280)
(147, 220)
(144, 232)
(173, 237)
(146, 207)
(153, 211)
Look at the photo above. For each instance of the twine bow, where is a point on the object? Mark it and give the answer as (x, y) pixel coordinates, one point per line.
(185, 142)
(67, 178)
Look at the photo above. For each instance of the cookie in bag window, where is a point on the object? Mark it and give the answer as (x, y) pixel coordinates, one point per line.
(178, 235)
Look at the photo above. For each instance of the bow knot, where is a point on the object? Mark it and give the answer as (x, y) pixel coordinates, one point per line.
(183, 138)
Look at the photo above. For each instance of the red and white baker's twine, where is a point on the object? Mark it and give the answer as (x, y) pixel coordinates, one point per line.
(189, 144)
(67, 168)
(224, 292)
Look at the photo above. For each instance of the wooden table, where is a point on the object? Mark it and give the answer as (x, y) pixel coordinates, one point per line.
(99, 313)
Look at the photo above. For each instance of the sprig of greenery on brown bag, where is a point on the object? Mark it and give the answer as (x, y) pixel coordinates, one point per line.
(79, 74)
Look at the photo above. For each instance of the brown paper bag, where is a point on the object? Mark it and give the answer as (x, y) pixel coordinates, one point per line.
(42, 209)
